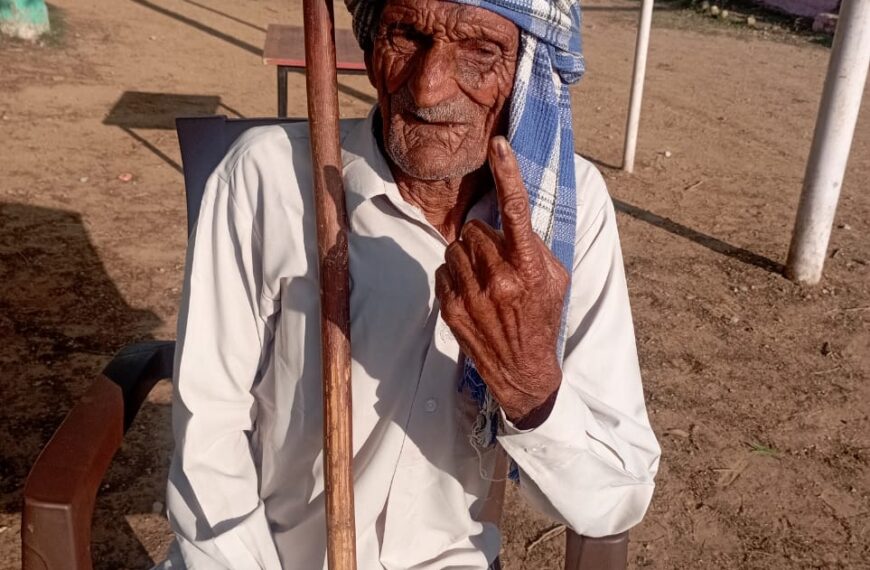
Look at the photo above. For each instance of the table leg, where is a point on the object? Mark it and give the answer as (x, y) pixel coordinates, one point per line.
(282, 91)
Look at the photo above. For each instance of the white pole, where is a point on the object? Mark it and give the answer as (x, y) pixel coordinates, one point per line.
(835, 125)
(637, 85)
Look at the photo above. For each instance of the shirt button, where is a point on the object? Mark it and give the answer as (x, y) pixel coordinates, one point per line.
(431, 405)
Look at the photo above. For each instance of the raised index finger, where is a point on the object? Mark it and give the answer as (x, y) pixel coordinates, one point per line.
(513, 202)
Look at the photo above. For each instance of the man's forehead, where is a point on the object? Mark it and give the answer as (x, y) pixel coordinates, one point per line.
(444, 14)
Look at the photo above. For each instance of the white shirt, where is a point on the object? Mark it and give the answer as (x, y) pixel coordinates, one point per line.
(246, 483)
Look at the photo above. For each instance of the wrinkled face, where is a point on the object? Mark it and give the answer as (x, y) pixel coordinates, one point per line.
(443, 72)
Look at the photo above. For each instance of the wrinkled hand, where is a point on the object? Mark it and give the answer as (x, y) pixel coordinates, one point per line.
(502, 294)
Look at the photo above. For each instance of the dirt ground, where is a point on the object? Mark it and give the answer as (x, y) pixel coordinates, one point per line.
(757, 388)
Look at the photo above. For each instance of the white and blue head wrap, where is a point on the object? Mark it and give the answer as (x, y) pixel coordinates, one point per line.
(539, 129)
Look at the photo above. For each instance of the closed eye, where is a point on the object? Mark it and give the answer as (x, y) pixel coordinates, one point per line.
(481, 52)
(405, 39)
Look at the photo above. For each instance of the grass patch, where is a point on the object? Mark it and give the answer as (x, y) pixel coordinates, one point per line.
(761, 449)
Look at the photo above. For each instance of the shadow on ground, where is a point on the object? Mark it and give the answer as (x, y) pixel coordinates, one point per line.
(61, 319)
(232, 40)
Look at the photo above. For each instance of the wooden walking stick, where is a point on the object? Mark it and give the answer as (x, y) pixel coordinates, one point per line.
(321, 82)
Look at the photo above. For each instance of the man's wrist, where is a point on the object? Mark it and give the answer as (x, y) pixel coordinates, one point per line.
(537, 415)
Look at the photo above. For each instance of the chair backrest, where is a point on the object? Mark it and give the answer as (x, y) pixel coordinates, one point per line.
(204, 142)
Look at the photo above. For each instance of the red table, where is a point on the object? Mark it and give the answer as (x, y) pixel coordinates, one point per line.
(285, 49)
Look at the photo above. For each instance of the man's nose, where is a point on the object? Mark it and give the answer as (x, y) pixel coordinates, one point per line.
(434, 81)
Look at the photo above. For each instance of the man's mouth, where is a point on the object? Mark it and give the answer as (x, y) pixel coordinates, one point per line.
(415, 119)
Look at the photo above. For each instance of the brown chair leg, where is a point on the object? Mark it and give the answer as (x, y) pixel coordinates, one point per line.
(605, 553)
(282, 91)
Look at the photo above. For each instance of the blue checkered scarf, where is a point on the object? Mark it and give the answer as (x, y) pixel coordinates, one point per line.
(540, 131)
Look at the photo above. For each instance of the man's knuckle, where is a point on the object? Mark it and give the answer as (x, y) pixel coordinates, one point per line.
(452, 253)
(515, 207)
(453, 311)
(502, 286)
(471, 231)
(527, 254)
(475, 225)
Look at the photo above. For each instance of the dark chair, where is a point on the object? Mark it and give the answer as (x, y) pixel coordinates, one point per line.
(61, 489)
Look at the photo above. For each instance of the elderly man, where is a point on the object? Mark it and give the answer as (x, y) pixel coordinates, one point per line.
(478, 353)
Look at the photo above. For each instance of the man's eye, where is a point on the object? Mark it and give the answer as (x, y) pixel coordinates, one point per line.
(483, 55)
(480, 53)
(406, 41)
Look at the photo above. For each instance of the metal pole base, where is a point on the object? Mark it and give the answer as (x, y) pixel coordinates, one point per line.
(24, 19)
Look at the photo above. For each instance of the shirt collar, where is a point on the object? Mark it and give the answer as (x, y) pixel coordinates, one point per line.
(366, 172)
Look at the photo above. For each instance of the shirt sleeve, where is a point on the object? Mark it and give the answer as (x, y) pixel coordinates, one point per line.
(224, 325)
(591, 463)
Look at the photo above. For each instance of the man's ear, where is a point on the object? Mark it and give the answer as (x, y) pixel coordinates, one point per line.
(368, 58)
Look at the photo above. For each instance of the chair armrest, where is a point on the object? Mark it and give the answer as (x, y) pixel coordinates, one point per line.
(605, 553)
(136, 368)
(61, 489)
